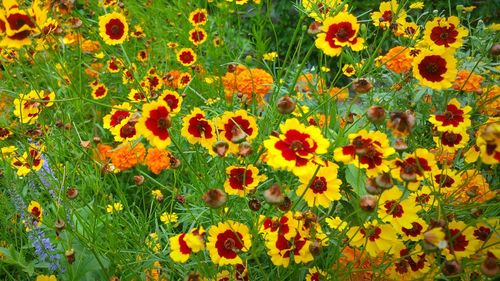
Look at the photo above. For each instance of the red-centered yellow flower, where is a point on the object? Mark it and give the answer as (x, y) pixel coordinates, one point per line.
(236, 127)
(321, 190)
(31, 160)
(197, 36)
(4, 133)
(280, 249)
(173, 99)
(296, 146)
(114, 65)
(446, 181)
(451, 142)
(366, 150)
(126, 130)
(136, 96)
(455, 119)
(389, 13)
(155, 122)
(27, 107)
(316, 274)
(320, 9)
(16, 26)
(117, 114)
(113, 28)
(488, 141)
(184, 244)
(197, 129)
(399, 212)
(184, 80)
(424, 197)
(198, 17)
(242, 180)
(35, 212)
(375, 238)
(99, 91)
(226, 240)
(410, 264)
(445, 32)
(285, 225)
(436, 68)
(339, 31)
(186, 56)
(461, 241)
(415, 232)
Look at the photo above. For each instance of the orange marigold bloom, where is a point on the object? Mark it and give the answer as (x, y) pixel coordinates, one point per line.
(158, 160)
(468, 82)
(247, 81)
(127, 156)
(474, 188)
(358, 261)
(398, 59)
(491, 106)
(101, 153)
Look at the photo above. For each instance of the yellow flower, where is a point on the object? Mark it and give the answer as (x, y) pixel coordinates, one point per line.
(168, 218)
(321, 190)
(270, 56)
(396, 211)
(113, 28)
(115, 207)
(336, 223)
(242, 180)
(348, 70)
(157, 194)
(226, 241)
(375, 238)
(236, 127)
(388, 14)
(435, 68)
(155, 122)
(445, 32)
(455, 119)
(325, 69)
(46, 278)
(338, 32)
(417, 5)
(461, 241)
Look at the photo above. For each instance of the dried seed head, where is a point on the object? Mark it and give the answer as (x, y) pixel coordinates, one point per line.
(368, 203)
(372, 188)
(254, 205)
(193, 276)
(401, 122)
(285, 105)
(315, 248)
(215, 198)
(286, 204)
(495, 50)
(376, 114)
(361, 85)
(490, 266)
(384, 180)
(70, 256)
(72, 193)
(273, 195)
(180, 198)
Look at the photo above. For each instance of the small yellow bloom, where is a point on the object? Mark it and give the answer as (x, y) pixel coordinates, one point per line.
(116, 207)
(167, 218)
(325, 69)
(417, 5)
(46, 278)
(270, 56)
(157, 194)
(469, 9)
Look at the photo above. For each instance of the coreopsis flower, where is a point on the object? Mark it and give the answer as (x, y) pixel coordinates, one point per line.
(451, 142)
(226, 240)
(468, 82)
(168, 218)
(155, 122)
(309, 83)
(136, 96)
(27, 107)
(374, 237)
(153, 242)
(137, 32)
(271, 56)
(198, 17)
(323, 188)
(236, 127)
(399, 212)
(411, 264)
(113, 28)
(474, 187)
(142, 55)
(186, 56)
(16, 26)
(296, 147)
(415, 167)
(114, 65)
(173, 99)
(46, 278)
(114, 208)
(389, 13)
(30, 161)
(338, 32)
(398, 60)
(461, 240)
(35, 212)
(285, 225)
(424, 197)
(99, 91)
(5, 133)
(320, 9)
(415, 232)
(127, 155)
(158, 160)
(446, 181)
(280, 249)
(488, 141)
(184, 80)
(455, 119)
(366, 150)
(184, 244)
(242, 180)
(197, 36)
(348, 70)
(316, 274)
(436, 68)
(251, 83)
(117, 115)
(445, 32)
(336, 223)
(196, 128)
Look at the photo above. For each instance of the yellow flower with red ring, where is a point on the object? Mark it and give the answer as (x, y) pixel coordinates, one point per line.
(113, 28)
(399, 212)
(155, 122)
(198, 17)
(461, 241)
(173, 99)
(236, 127)
(117, 114)
(196, 128)
(197, 36)
(99, 91)
(424, 197)
(389, 13)
(280, 249)
(455, 119)
(436, 68)
(320, 189)
(447, 181)
(488, 141)
(451, 142)
(184, 80)
(366, 150)
(27, 107)
(226, 240)
(320, 9)
(410, 264)
(242, 180)
(186, 56)
(285, 225)
(374, 237)
(296, 146)
(415, 167)
(445, 32)
(415, 232)
(35, 212)
(339, 31)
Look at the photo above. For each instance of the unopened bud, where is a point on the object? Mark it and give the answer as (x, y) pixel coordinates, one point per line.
(368, 203)
(372, 188)
(384, 180)
(376, 114)
(315, 248)
(248, 59)
(451, 268)
(72, 193)
(220, 148)
(489, 266)
(314, 28)
(495, 50)
(215, 198)
(286, 105)
(400, 144)
(59, 225)
(70, 256)
(244, 149)
(273, 195)
(286, 204)
(138, 180)
(361, 85)
(254, 205)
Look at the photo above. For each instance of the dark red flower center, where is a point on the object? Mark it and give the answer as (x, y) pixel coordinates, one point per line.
(36, 212)
(240, 177)
(319, 185)
(393, 208)
(457, 241)
(386, 16)
(444, 180)
(414, 231)
(373, 233)
(184, 248)
(237, 128)
(432, 68)
(118, 116)
(198, 126)
(295, 146)
(444, 35)
(128, 130)
(158, 122)
(482, 233)
(341, 32)
(453, 116)
(451, 139)
(228, 244)
(186, 57)
(115, 29)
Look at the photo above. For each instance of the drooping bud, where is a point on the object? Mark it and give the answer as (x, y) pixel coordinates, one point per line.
(361, 85)
(70, 256)
(285, 105)
(244, 149)
(274, 195)
(400, 144)
(314, 28)
(384, 180)
(372, 188)
(254, 205)
(220, 148)
(72, 193)
(59, 225)
(315, 248)
(451, 268)
(368, 203)
(376, 114)
(215, 197)
(495, 50)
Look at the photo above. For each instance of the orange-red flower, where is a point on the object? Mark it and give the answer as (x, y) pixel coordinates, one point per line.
(127, 156)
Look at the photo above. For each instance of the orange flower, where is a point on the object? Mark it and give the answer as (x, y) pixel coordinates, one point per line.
(90, 46)
(158, 160)
(247, 81)
(468, 82)
(101, 153)
(127, 156)
(360, 262)
(398, 59)
(309, 83)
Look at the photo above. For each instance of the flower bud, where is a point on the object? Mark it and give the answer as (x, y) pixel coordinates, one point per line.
(215, 198)
(273, 195)
(193, 276)
(254, 205)
(72, 193)
(376, 114)
(451, 268)
(495, 49)
(314, 28)
(138, 179)
(400, 144)
(180, 198)
(315, 248)
(244, 149)
(248, 59)
(368, 203)
(384, 180)
(361, 85)
(220, 148)
(372, 188)
(59, 225)
(286, 105)
(489, 266)
(70, 256)
(286, 204)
